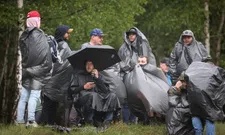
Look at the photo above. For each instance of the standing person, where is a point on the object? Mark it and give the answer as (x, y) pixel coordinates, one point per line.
(164, 65)
(96, 38)
(134, 50)
(55, 90)
(186, 50)
(36, 67)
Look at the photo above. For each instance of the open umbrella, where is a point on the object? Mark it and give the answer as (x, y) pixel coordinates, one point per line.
(102, 57)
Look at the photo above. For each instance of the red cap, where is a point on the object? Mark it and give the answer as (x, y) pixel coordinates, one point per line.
(33, 14)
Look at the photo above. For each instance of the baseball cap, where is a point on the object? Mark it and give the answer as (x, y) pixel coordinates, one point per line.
(33, 13)
(132, 30)
(188, 33)
(96, 32)
(165, 60)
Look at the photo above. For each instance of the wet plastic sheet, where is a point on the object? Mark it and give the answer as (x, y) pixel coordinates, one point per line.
(147, 89)
(206, 92)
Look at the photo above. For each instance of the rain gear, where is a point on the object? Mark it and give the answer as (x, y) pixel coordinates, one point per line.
(98, 98)
(178, 117)
(206, 90)
(59, 83)
(183, 55)
(147, 89)
(146, 85)
(112, 77)
(129, 52)
(36, 59)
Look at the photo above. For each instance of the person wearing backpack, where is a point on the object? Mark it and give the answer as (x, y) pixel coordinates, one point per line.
(36, 67)
(55, 91)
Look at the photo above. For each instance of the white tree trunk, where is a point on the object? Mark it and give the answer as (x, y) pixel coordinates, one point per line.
(206, 26)
(219, 37)
(19, 57)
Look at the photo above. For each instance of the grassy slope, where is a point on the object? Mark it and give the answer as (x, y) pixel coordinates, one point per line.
(118, 129)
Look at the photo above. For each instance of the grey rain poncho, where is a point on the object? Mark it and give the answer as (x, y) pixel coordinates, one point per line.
(58, 85)
(183, 55)
(147, 89)
(146, 85)
(178, 117)
(36, 59)
(206, 90)
(129, 52)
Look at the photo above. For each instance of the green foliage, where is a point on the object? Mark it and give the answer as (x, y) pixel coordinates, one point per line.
(164, 21)
(113, 16)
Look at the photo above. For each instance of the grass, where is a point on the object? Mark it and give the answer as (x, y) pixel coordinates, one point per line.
(117, 129)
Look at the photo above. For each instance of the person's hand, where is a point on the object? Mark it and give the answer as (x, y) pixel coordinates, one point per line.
(178, 85)
(142, 60)
(95, 73)
(89, 85)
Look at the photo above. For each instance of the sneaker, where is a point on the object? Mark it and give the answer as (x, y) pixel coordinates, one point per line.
(31, 124)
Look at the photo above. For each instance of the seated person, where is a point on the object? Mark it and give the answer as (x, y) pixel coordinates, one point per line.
(95, 101)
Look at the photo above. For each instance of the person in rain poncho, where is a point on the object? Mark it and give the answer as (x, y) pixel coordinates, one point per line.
(135, 47)
(55, 91)
(110, 75)
(178, 117)
(36, 67)
(95, 100)
(143, 80)
(186, 50)
(206, 92)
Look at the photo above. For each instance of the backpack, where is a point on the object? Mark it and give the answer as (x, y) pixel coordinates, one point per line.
(54, 49)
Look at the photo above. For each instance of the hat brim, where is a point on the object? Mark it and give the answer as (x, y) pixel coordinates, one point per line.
(188, 35)
(70, 30)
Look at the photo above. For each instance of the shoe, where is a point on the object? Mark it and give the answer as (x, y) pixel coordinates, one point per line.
(31, 124)
(106, 124)
(19, 123)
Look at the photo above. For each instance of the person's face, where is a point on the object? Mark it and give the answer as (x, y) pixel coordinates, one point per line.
(89, 66)
(164, 67)
(97, 40)
(132, 37)
(67, 36)
(187, 40)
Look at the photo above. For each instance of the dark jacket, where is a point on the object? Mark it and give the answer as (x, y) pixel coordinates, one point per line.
(58, 85)
(129, 52)
(36, 59)
(182, 55)
(81, 78)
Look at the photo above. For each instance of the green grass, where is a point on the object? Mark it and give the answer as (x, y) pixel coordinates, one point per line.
(117, 129)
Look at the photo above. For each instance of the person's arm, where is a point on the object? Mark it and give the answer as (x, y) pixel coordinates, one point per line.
(175, 90)
(173, 60)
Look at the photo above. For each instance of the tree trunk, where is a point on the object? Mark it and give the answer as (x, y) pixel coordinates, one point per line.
(206, 26)
(219, 37)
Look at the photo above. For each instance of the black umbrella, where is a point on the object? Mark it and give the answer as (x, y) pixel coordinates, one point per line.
(102, 57)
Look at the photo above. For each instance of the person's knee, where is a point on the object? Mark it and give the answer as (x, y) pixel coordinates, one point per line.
(197, 124)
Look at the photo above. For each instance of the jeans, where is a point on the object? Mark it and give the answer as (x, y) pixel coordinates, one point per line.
(198, 125)
(128, 116)
(30, 96)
